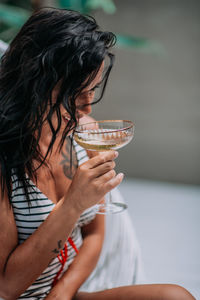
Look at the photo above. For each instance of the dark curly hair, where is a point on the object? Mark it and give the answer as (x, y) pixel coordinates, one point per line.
(54, 45)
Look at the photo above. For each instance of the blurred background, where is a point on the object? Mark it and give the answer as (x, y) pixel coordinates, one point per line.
(155, 83)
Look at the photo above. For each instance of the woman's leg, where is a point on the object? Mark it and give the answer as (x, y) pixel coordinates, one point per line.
(139, 292)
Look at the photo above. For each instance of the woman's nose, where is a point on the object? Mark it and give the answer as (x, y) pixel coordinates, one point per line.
(86, 109)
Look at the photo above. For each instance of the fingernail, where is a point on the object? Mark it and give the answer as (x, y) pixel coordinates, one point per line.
(116, 154)
(121, 175)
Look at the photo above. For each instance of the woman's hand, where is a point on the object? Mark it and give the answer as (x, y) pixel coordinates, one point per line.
(93, 180)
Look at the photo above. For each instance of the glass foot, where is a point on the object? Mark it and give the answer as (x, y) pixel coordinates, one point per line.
(111, 208)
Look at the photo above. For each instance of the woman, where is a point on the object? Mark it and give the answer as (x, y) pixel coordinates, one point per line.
(50, 236)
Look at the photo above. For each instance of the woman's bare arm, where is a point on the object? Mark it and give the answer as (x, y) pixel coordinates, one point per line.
(21, 264)
(84, 263)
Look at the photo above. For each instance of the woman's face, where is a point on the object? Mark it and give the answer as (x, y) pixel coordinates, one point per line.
(83, 105)
(84, 100)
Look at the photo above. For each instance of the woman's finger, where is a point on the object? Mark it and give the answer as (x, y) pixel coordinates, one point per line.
(114, 182)
(106, 177)
(103, 168)
(101, 159)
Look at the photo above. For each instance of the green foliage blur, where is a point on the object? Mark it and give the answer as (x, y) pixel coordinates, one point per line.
(14, 13)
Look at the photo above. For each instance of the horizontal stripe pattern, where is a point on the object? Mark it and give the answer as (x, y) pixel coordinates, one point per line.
(29, 217)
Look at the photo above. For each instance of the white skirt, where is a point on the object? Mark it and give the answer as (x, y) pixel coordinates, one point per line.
(120, 261)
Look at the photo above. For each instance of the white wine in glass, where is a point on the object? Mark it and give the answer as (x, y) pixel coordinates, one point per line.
(103, 136)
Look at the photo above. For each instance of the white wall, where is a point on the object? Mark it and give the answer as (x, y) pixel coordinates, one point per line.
(160, 92)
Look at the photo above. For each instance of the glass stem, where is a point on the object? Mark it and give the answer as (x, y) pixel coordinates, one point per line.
(109, 199)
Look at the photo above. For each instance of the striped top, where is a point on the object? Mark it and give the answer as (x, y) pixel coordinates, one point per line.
(28, 219)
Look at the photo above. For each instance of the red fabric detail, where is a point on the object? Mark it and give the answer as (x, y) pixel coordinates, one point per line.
(73, 244)
(63, 258)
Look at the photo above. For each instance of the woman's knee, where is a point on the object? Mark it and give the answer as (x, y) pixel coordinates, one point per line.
(176, 292)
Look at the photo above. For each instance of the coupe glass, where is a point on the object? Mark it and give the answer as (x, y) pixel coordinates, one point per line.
(103, 136)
